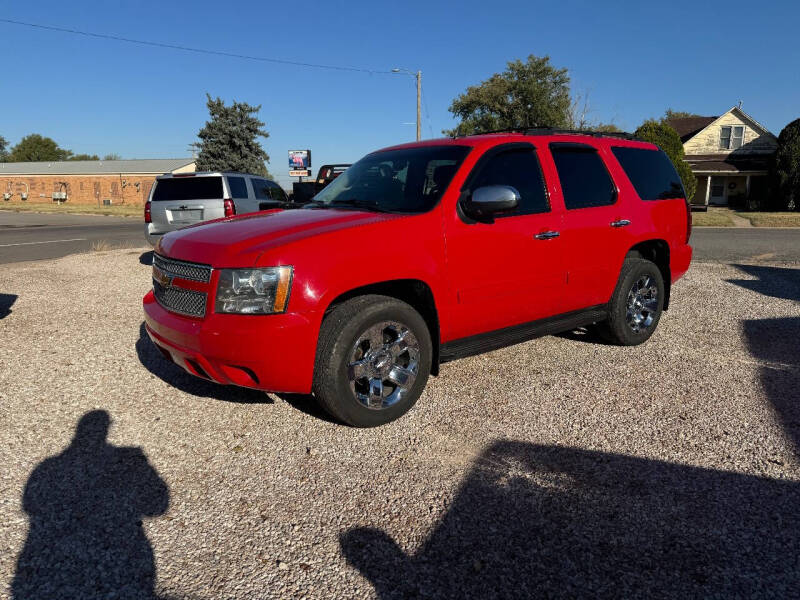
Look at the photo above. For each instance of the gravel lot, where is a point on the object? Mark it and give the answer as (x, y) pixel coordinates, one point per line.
(560, 467)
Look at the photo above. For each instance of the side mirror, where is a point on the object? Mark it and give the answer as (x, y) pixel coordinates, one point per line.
(486, 202)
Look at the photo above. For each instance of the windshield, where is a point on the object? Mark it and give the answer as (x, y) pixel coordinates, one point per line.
(410, 180)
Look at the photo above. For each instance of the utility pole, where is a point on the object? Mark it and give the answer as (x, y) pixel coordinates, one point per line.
(418, 77)
(419, 112)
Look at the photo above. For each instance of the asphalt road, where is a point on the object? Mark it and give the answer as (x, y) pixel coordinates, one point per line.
(31, 236)
(34, 236)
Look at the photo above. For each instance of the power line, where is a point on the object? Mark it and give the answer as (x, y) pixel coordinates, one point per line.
(191, 49)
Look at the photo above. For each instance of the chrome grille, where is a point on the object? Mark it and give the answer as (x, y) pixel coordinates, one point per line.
(182, 269)
(179, 300)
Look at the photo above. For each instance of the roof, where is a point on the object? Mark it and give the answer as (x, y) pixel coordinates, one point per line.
(95, 167)
(688, 127)
(491, 139)
(728, 163)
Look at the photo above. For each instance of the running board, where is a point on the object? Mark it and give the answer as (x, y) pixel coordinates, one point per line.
(508, 336)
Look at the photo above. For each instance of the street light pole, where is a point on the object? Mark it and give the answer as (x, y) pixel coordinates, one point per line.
(418, 77)
(419, 113)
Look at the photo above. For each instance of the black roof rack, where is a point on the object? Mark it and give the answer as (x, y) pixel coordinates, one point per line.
(554, 131)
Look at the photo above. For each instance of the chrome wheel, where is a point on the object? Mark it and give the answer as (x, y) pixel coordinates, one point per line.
(383, 364)
(642, 303)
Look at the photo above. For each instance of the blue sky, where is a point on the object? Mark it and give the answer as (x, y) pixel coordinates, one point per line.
(635, 59)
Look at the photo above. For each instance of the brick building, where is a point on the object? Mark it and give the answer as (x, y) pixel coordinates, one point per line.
(86, 181)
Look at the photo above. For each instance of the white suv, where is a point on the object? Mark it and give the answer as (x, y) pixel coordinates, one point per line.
(181, 199)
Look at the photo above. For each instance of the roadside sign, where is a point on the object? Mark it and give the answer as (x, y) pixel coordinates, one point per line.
(300, 160)
(299, 173)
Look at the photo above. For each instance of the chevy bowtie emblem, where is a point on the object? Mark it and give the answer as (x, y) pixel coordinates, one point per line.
(162, 278)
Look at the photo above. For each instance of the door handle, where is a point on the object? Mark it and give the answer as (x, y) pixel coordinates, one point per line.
(620, 223)
(547, 235)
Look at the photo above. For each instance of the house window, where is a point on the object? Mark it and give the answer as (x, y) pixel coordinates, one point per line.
(731, 137)
(717, 187)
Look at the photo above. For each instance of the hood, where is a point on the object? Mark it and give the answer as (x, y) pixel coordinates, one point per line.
(239, 241)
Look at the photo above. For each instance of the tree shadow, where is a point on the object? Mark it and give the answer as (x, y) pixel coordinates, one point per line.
(775, 282)
(85, 508)
(166, 370)
(146, 258)
(534, 521)
(6, 302)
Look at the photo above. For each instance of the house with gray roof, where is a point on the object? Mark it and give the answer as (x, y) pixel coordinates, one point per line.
(86, 181)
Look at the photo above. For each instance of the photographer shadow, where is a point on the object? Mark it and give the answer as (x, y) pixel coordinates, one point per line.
(85, 507)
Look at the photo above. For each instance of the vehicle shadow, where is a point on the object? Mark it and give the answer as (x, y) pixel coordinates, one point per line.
(775, 282)
(534, 521)
(146, 258)
(6, 302)
(777, 342)
(167, 371)
(85, 507)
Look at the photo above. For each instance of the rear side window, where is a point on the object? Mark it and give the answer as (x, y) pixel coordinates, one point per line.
(651, 172)
(188, 188)
(260, 189)
(519, 169)
(585, 182)
(238, 187)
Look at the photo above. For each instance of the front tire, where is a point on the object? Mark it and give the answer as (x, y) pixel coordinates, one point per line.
(636, 306)
(373, 360)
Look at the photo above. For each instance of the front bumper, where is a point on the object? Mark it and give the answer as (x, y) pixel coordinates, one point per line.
(273, 353)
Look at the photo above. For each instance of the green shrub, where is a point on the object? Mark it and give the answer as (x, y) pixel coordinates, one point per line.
(785, 171)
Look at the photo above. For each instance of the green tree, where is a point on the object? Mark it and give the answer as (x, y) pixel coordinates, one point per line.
(229, 140)
(526, 94)
(661, 134)
(83, 157)
(3, 149)
(35, 147)
(785, 171)
(678, 114)
(112, 156)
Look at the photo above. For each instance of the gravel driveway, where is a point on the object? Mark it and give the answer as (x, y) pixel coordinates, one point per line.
(559, 467)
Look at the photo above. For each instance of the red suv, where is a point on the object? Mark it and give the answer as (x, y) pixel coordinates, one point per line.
(420, 254)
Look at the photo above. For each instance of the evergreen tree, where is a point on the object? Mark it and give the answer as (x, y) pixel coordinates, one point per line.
(785, 172)
(3, 149)
(664, 136)
(229, 140)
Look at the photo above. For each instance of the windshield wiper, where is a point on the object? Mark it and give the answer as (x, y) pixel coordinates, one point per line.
(359, 203)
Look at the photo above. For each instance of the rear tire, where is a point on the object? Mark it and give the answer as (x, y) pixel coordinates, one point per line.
(373, 360)
(636, 305)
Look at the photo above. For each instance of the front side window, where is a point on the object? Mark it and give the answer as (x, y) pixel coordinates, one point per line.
(731, 137)
(585, 182)
(519, 169)
(238, 187)
(275, 192)
(409, 180)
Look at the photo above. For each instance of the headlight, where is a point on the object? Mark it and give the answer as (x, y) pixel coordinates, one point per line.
(253, 291)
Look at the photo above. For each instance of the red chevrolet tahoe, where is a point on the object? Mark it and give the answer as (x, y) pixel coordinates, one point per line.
(420, 254)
